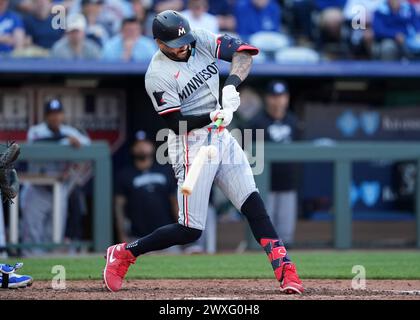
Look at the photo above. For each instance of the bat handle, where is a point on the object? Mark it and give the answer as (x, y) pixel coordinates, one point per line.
(217, 124)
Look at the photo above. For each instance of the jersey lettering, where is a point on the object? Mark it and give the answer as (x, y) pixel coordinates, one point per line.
(197, 80)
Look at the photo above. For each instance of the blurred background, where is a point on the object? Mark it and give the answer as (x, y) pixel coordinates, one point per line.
(331, 75)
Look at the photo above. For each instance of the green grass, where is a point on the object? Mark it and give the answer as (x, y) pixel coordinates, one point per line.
(312, 264)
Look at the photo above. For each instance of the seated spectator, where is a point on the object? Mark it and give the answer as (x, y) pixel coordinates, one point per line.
(12, 34)
(27, 6)
(130, 44)
(95, 30)
(21, 6)
(113, 12)
(224, 12)
(416, 5)
(330, 19)
(145, 193)
(38, 25)
(162, 5)
(322, 5)
(257, 15)
(395, 25)
(74, 44)
(360, 37)
(297, 16)
(139, 9)
(199, 18)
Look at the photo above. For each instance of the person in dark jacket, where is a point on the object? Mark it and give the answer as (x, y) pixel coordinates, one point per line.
(280, 126)
(145, 193)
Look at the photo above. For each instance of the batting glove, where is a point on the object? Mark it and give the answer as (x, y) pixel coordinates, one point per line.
(230, 98)
(226, 115)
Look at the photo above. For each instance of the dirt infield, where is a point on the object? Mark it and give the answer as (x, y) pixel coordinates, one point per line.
(219, 289)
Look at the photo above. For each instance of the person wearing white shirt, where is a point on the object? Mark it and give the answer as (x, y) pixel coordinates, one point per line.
(199, 18)
(37, 201)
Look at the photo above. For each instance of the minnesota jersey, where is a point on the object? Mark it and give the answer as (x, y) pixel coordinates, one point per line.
(191, 87)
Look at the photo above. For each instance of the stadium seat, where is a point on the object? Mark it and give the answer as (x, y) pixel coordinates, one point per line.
(269, 42)
(297, 54)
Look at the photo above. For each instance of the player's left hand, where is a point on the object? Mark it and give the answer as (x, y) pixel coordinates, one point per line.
(230, 98)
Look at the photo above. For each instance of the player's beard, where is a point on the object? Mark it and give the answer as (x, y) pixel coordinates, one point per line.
(175, 57)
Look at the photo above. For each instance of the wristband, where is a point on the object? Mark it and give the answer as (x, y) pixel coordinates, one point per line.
(234, 80)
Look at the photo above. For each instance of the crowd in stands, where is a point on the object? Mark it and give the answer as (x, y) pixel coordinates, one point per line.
(286, 30)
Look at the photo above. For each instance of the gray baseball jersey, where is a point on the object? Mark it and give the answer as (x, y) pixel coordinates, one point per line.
(192, 88)
(193, 85)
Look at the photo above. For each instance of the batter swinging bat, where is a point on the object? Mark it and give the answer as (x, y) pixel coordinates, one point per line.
(205, 152)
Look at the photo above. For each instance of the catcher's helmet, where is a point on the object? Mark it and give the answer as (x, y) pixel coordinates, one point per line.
(172, 28)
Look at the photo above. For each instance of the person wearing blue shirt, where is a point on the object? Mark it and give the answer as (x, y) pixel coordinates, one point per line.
(130, 44)
(257, 15)
(224, 11)
(38, 25)
(324, 4)
(396, 27)
(11, 29)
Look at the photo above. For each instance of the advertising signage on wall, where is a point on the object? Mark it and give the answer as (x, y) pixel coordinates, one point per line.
(359, 122)
(376, 186)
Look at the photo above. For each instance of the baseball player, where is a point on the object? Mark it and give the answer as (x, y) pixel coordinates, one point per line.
(183, 83)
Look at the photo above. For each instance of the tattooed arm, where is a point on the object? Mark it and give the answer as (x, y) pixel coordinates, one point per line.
(240, 67)
(241, 64)
(240, 55)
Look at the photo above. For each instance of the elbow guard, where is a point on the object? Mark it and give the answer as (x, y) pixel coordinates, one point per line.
(227, 46)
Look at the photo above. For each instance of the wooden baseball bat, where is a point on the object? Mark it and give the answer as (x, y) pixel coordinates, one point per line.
(204, 153)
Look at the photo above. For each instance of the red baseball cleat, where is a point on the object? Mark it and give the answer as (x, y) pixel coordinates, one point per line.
(118, 260)
(285, 271)
(290, 282)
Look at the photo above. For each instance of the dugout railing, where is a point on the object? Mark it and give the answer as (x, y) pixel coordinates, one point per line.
(99, 153)
(342, 155)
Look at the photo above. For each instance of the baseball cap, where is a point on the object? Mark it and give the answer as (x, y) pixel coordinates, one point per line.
(141, 136)
(277, 88)
(76, 22)
(53, 105)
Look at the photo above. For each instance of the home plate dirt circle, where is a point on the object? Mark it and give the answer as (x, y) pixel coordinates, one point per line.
(210, 289)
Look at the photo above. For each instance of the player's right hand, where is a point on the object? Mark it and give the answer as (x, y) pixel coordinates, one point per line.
(226, 115)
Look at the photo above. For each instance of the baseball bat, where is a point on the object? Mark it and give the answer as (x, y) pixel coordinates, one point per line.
(205, 152)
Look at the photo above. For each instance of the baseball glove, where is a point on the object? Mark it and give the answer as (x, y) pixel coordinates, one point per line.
(9, 182)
